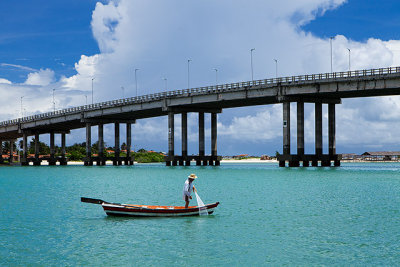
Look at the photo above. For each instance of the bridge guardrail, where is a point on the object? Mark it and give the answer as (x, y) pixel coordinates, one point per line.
(204, 90)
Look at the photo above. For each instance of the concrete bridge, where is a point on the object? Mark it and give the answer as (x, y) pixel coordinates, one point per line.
(326, 88)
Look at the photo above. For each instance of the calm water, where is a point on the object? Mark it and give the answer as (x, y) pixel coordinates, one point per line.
(267, 216)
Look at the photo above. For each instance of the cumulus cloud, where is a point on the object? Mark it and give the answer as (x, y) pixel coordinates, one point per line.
(5, 81)
(42, 77)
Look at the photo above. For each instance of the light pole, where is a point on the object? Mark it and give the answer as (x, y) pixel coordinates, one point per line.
(123, 92)
(251, 58)
(86, 99)
(189, 60)
(331, 38)
(216, 76)
(92, 91)
(22, 113)
(349, 58)
(54, 102)
(276, 68)
(136, 81)
(166, 85)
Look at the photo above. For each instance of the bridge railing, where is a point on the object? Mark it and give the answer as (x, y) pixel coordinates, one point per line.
(205, 90)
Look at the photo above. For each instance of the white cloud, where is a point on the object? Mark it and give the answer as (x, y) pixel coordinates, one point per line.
(5, 81)
(42, 77)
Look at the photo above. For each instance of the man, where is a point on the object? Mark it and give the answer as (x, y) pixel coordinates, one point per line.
(188, 188)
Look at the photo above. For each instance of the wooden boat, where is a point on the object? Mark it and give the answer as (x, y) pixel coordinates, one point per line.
(116, 209)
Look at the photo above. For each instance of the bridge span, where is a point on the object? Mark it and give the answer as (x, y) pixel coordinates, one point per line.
(326, 88)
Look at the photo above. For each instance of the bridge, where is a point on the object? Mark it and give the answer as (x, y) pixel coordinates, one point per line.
(325, 88)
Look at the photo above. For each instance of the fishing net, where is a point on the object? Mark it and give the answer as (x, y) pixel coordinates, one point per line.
(200, 204)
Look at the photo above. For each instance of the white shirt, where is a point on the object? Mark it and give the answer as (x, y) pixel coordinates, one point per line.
(187, 189)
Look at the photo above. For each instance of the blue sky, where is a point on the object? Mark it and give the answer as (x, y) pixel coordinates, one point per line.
(63, 44)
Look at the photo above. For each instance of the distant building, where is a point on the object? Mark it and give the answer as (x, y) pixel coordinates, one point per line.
(241, 156)
(265, 157)
(381, 155)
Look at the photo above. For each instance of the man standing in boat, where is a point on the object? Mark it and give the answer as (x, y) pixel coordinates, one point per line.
(188, 188)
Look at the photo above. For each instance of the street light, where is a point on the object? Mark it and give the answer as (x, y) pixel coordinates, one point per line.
(123, 92)
(216, 76)
(22, 114)
(251, 57)
(276, 68)
(189, 60)
(86, 99)
(349, 58)
(136, 81)
(92, 90)
(331, 38)
(166, 86)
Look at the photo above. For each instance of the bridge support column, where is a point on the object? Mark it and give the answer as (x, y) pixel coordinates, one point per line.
(52, 159)
(129, 158)
(100, 131)
(171, 143)
(332, 135)
(286, 133)
(214, 140)
(318, 134)
(11, 158)
(1, 152)
(24, 160)
(201, 139)
(63, 160)
(117, 160)
(300, 133)
(88, 160)
(184, 159)
(37, 160)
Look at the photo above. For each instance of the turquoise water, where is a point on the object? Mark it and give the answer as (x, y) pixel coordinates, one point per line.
(267, 216)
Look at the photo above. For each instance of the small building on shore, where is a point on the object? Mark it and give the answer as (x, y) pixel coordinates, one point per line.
(381, 155)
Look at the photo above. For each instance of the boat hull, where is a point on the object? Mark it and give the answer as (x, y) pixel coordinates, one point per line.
(112, 209)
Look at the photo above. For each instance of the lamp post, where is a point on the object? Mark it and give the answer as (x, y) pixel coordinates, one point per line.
(349, 58)
(331, 39)
(123, 91)
(188, 65)
(276, 68)
(166, 85)
(251, 58)
(54, 102)
(86, 99)
(216, 76)
(22, 113)
(92, 91)
(136, 81)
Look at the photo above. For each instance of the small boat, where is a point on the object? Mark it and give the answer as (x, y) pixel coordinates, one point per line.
(116, 209)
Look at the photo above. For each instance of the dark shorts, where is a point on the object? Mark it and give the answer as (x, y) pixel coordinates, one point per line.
(187, 199)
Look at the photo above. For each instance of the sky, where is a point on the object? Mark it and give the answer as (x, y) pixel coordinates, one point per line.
(63, 45)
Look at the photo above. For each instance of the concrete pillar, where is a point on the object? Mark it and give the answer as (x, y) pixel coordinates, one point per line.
(101, 139)
(88, 140)
(52, 147)
(184, 135)
(300, 128)
(214, 134)
(332, 129)
(286, 128)
(201, 134)
(318, 129)
(1, 151)
(25, 146)
(117, 144)
(171, 126)
(128, 143)
(52, 150)
(11, 151)
(37, 146)
(63, 160)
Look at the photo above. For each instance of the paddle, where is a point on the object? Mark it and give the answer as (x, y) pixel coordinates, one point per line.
(92, 200)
